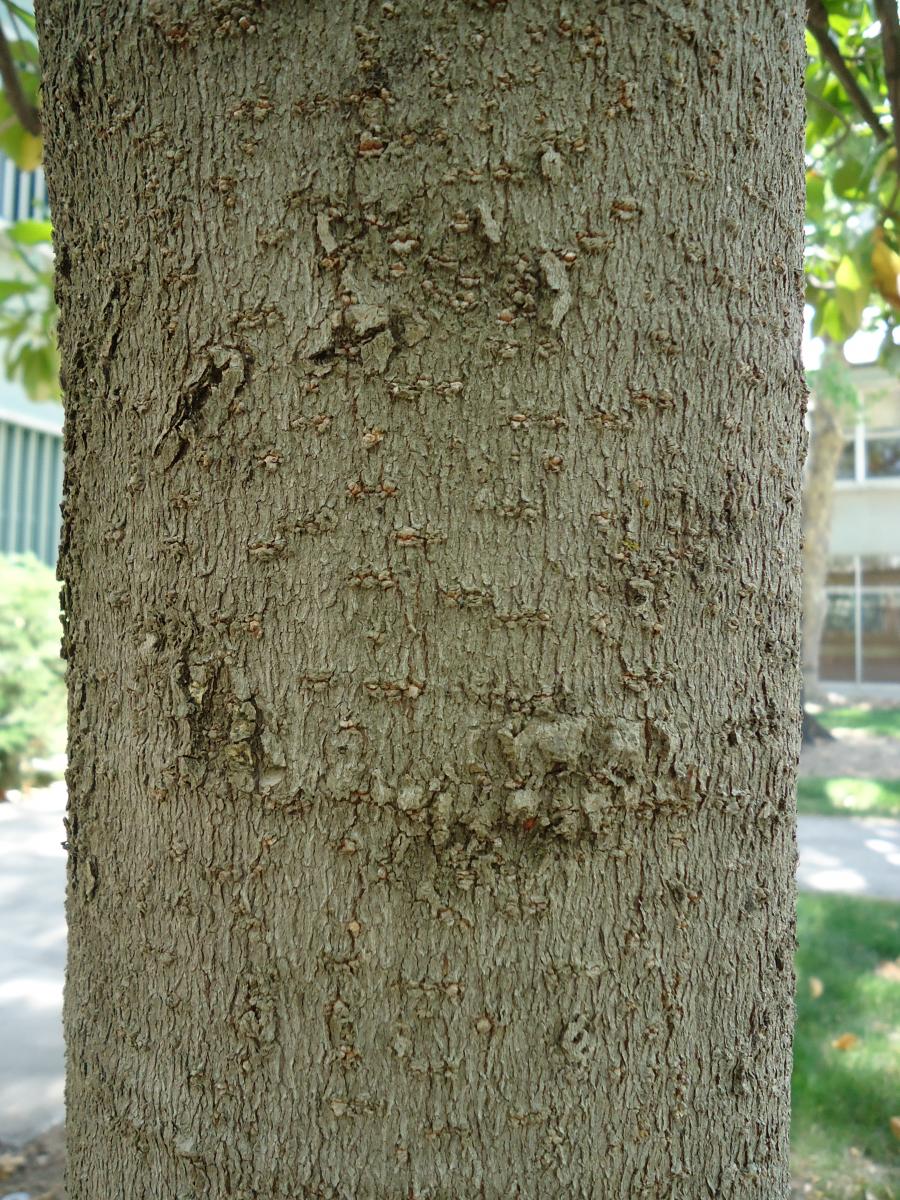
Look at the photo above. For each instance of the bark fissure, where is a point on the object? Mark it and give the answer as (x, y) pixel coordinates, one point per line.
(431, 583)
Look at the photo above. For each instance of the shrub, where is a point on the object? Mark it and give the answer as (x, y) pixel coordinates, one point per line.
(32, 674)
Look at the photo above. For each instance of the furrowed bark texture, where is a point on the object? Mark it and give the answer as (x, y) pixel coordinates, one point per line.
(431, 575)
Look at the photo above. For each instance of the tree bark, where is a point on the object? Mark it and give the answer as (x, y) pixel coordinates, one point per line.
(826, 443)
(431, 579)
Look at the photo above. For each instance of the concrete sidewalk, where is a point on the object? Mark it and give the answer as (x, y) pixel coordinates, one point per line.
(855, 855)
(32, 962)
(859, 856)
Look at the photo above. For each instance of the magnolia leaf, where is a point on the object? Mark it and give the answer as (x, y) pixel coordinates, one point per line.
(24, 52)
(22, 13)
(31, 232)
(22, 147)
(851, 305)
(849, 180)
(829, 320)
(36, 366)
(847, 274)
(13, 287)
(886, 270)
(40, 372)
(815, 192)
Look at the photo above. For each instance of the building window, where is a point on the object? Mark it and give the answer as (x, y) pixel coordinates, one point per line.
(861, 638)
(883, 455)
(22, 193)
(869, 454)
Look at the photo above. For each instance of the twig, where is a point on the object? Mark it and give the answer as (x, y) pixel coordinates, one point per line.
(886, 11)
(817, 23)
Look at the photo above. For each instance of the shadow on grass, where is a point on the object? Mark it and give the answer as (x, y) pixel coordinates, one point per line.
(884, 721)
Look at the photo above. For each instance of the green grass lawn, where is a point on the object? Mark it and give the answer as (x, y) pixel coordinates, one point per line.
(848, 983)
(874, 720)
(849, 797)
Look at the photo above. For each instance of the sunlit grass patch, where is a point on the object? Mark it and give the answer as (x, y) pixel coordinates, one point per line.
(842, 795)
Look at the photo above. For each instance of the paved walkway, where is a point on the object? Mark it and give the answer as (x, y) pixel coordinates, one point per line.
(859, 856)
(32, 963)
(856, 855)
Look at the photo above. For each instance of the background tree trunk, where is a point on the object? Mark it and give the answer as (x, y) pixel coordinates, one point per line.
(826, 442)
(430, 567)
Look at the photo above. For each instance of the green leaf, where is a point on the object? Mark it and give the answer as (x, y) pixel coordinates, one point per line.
(23, 148)
(22, 13)
(12, 327)
(828, 321)
(13, 287)
(31, 233)
(849, 180)
(847, 275)
(24, 52)
(851, 306)
(841, 24)
(834, 381)
(815, 193)
(40, 372)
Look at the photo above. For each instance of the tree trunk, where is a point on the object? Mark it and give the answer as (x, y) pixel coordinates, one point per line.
(826, 442)
(430, 566)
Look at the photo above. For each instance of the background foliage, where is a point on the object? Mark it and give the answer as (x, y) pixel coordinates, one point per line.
(32, 674)
(852, 178)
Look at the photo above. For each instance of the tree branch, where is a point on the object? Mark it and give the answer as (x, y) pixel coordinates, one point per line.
(20, 104)
(817, 23)
(886, 11)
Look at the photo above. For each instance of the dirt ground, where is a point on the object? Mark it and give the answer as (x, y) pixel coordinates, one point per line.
(854, 753)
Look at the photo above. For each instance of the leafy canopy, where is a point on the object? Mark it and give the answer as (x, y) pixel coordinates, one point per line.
(853, 170)
(32, 674)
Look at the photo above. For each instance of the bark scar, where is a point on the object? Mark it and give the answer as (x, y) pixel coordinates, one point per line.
(225, 367)
(558, 282)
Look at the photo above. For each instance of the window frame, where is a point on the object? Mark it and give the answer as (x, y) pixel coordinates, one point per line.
(859, 437)
(857, 590)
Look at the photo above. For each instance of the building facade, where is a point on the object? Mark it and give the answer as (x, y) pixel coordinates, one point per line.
(861, 643)
(31, 473)
(30, 434)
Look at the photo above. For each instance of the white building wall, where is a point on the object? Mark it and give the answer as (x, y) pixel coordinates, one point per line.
(866, 519)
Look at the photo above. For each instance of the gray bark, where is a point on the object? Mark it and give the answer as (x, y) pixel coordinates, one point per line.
(826, 442)
(431, 576)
